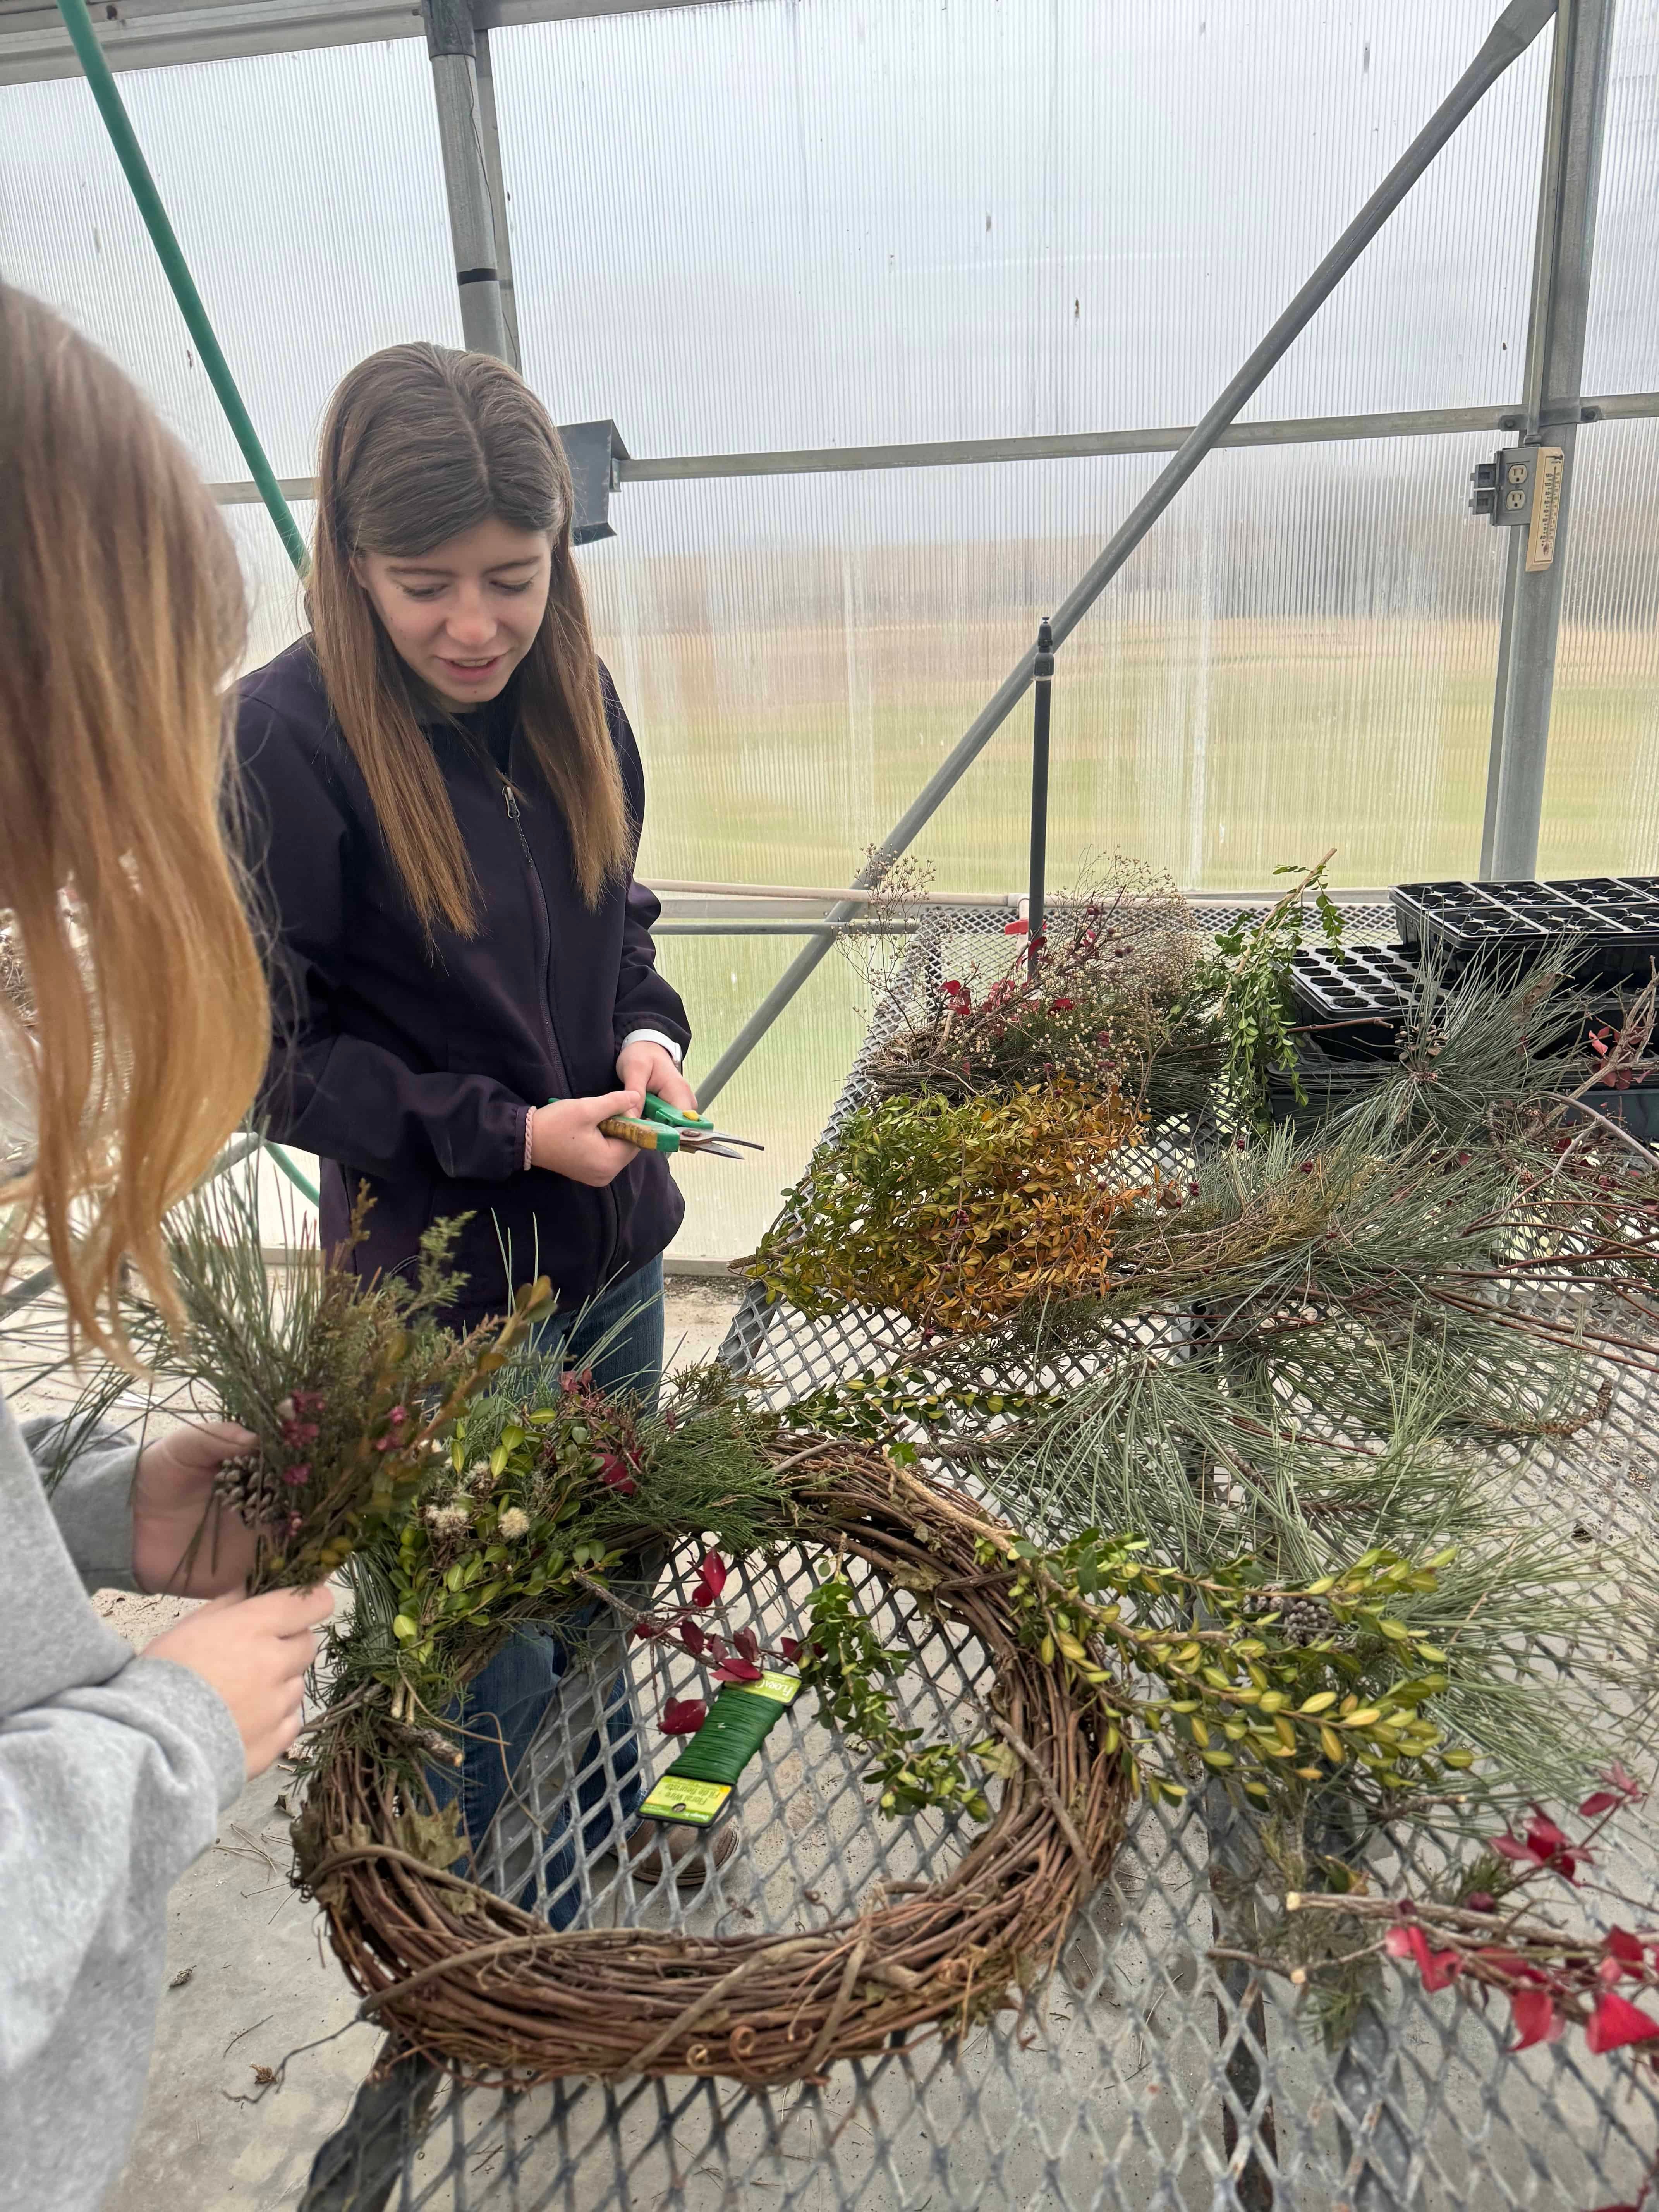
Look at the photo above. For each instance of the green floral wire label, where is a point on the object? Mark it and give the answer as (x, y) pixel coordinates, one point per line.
(784, 1688)
(695, 1803)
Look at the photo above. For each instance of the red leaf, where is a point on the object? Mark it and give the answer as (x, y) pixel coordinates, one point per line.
(684, 1716)
(1440, 1968)
(737, 1670)
(693, 1638)
(1437, 1968)
(790, 1647)
(1534, 2016)
(1616, 2022)
(1621, 1944)
(1511, 1847)
(645, 1630)
(748, 1643)
(1508, 1963)
(713, 1574)
(1617, 1786)
(613, 1472)
(1481, 1900)
(719, 1649)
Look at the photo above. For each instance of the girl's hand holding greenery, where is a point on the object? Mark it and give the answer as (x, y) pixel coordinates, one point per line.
(172, 1550)
(254, 1652)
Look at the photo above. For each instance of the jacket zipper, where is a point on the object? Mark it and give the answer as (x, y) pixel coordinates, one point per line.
(510, 797)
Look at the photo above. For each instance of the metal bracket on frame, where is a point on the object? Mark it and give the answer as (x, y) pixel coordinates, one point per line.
(595, 452)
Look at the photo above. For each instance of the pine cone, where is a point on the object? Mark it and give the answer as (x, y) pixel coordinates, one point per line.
(250, 1487)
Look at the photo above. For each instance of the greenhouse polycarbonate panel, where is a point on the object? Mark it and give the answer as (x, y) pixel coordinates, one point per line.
(1602, 781)
(1300, 656)
(307, 191)
(1621, 339)
(772, 225)
(275, 613)
(1110, 2094)
(779, 1096)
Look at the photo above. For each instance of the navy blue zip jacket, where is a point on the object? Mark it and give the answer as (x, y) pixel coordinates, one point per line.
(413, 1069)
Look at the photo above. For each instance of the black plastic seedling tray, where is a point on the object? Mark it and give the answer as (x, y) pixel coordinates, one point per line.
(1636, 1109)
(1330, 1085)
(1614, 920)
(1352, 1002)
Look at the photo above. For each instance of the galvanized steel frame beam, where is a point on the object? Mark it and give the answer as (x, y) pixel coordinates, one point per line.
(1562, 260)
(160, 33)
(1073, 446)
(1514, 31)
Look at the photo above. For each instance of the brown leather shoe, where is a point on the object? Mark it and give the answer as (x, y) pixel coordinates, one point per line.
(686, 1849)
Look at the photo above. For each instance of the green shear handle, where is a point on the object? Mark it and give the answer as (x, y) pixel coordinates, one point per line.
(661, 1127)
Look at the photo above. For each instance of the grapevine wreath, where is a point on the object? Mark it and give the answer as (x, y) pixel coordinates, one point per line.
(478, 1986)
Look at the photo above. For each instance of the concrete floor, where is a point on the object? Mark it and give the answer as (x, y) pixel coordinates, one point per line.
(250, 1979)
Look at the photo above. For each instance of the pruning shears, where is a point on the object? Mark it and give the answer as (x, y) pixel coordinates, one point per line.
(661, 1127)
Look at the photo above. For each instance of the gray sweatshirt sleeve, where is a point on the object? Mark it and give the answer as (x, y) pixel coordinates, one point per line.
(113, 1771)
(92, 1504)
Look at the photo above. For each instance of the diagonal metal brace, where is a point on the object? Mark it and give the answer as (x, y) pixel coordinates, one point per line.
(1508, 39)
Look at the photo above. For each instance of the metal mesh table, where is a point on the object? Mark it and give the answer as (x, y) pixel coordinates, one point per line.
(1145, 2076)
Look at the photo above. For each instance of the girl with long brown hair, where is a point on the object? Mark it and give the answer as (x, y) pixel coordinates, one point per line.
(134, 1032)
(445, 800)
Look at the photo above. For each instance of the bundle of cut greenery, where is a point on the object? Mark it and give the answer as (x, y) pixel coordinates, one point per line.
(1371, 1338)
(1121, 994)
(351, 1387)
(545, 1491)
(1476, 1180)
(954, 1215)
(1114, 997)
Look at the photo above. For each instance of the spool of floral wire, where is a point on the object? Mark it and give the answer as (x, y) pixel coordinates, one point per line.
(698, 1787)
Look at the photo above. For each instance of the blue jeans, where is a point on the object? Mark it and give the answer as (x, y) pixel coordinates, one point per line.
(505, 1705)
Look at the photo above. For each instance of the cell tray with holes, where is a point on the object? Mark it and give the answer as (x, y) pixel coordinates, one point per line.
(1352, 1001)
(1615, 919)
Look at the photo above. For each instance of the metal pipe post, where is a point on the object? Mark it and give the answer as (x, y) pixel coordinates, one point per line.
(1504, 44)
(1043, 672)
(452, 46)
(496, 176)
(1561, 261)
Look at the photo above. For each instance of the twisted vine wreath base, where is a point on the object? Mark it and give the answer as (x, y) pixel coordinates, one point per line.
(487, 1991)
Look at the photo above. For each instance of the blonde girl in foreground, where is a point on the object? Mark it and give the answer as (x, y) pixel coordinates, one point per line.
(120, 625)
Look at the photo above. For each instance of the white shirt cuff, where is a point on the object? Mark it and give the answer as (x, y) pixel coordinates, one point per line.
(652, 1037)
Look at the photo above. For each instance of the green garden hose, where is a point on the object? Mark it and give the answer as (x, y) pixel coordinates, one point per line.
(129, 154)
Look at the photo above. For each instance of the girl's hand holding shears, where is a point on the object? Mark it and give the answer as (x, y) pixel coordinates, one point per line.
(565, 1139)
(644, 1067)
